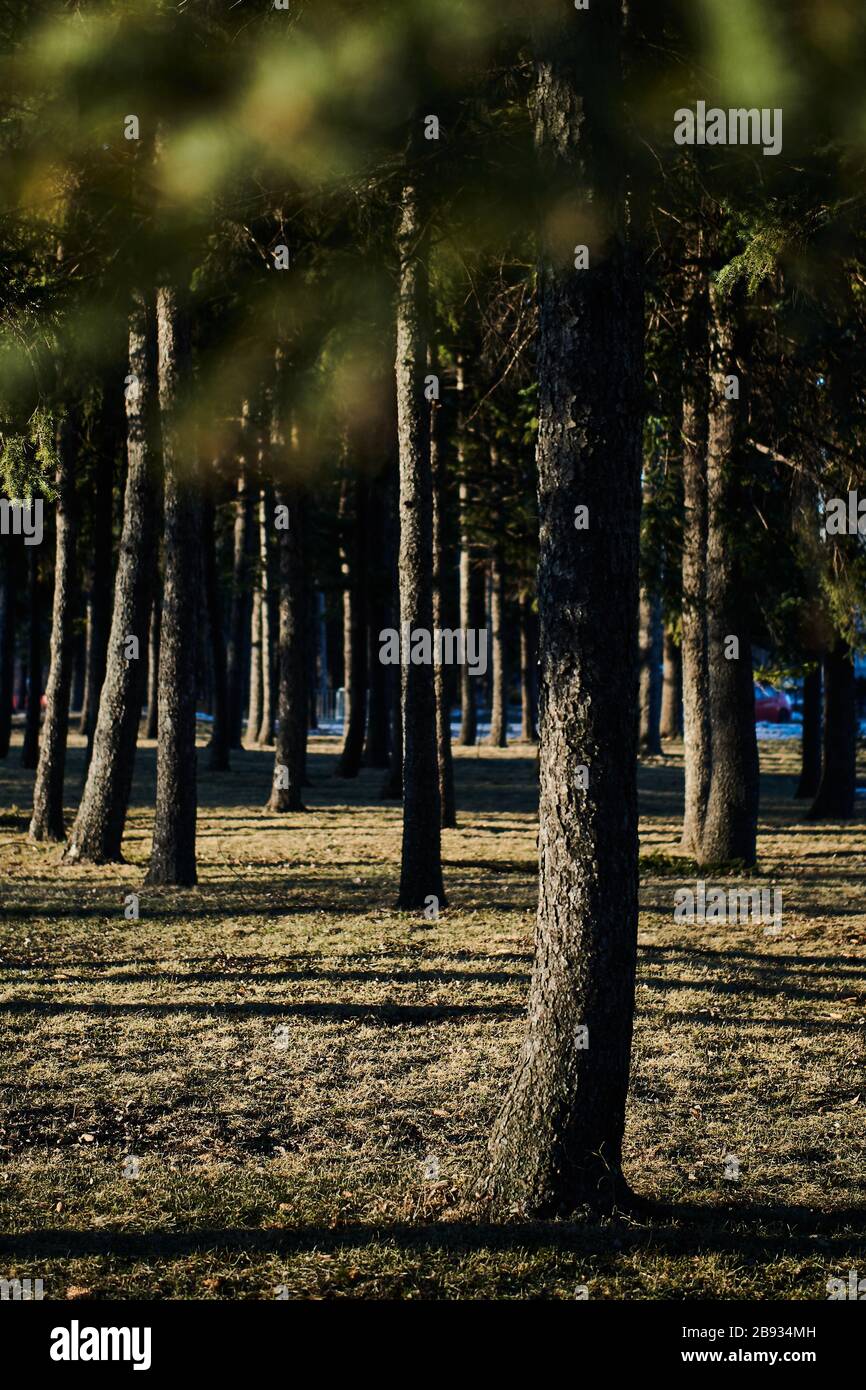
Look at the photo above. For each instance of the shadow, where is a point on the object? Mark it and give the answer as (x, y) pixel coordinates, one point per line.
(381, 1013)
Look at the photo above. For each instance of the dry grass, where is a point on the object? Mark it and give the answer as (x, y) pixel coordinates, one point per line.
(284, 1052)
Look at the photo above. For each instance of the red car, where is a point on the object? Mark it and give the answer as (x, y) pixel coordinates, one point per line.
(771, 706)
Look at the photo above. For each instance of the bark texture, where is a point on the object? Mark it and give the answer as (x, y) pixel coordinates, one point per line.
(730, 826)
(557, 1142)
(98, 830)
(695, 656)
(671, 718)
(173, 858)
(421, 864)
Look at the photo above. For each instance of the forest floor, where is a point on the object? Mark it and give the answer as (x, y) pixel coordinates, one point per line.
(304, 1078)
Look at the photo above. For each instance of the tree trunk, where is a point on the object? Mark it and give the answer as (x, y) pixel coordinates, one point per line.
(695, 656)
(353, 517)
(421, 864)
(468, 607)
(102, 539)
(499, 705)
(240, 618)
(47, 820)
(153, 637)
(650, 690)
(98, 830)
(440, 675)
(291, 738)
(173, 858)
(378, 716)
(8, 594)
(557, 1142)
(265, 735)
(528, 660)
(218, 748)
(837, 790)
(731, 820)
(810, 746)
(30, 747)
(254, 710)
(672, 689)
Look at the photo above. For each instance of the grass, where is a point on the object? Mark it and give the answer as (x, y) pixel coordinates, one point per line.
(306, 1076)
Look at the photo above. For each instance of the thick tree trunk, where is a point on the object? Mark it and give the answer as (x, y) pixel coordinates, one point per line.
(153, 635)
(695, 655)
(468, 609)
(499, 675)
(173, 858)
(353, 550)
(47, 820)
(98, 830)
(650, 690)
(440, 674)
(810, 744)
(528, 660)
(8, 594)
(557, 1142)
(421, 865)
(731, 820)
(291, 738)
(837, 790)
(265, 735)
(30, 747)
(218, 748)
(241, 604)
(671, 720)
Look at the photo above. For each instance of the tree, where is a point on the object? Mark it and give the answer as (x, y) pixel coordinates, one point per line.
(173, 857)
(292, 692)
(837, 789)
(98, 830)
(421, 866)
(47, 820)
(9, 566)
(557, 1142)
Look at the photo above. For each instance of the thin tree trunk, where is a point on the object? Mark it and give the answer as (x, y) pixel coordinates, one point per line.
(650, 690)
(291, 738)
(672, 688)
(695, 655)
(218, 748)
(440, 675)
(8, 594)
(353, 515)
(421, 863)
(98, 830)
(47, 820)
(173, 857)
(254, 711)
(378, 718)
(838, 786)
(154, 631)
(241, 604)
(528, 659)
(30, 747)
(499, 706)
(468, 582)
(265, 736)
(557, 1142)
(731, 820)
(810, 745)
(99, 606)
